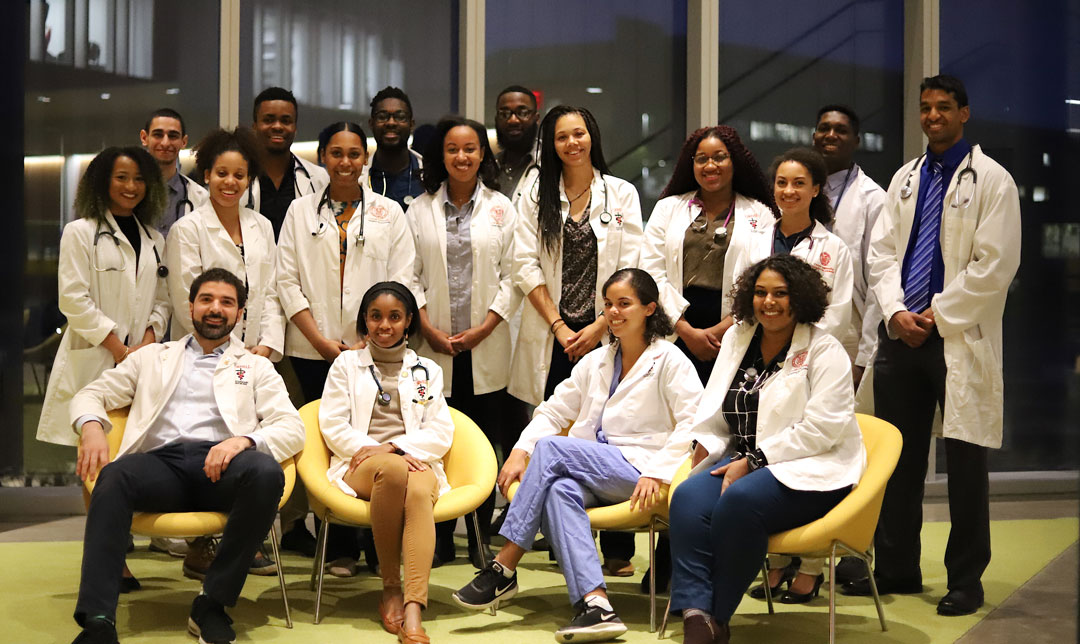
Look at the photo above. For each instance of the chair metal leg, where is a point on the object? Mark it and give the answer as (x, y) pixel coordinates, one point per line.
(280, 575)
(765, 582)
(318, 557)
(321, 562)
(652, 574)
(663, 622)
(868, 558)
(832, 594)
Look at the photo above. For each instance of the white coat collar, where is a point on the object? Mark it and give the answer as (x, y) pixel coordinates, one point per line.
(364, 356)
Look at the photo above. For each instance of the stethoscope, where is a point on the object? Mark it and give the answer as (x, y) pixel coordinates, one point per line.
(297, 167)
(408, 199)
(322, 224)
(721, 232)
(184, 201)
(162, 270)
(905, 191)
(605, 214)
(383, 397)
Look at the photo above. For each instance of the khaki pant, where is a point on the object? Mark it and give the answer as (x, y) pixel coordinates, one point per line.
(402, 520)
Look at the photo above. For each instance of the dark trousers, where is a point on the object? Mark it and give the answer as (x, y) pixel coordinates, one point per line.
(718, 543)
(490, 412)
(342, 541)
(704, 311)
(909, 384)
(171, 479)
(613, 545)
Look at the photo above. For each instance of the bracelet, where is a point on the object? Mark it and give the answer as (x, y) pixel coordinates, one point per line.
(557, 320)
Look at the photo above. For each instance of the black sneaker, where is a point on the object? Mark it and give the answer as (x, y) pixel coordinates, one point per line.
(262, 564)
(97, 631)
(489, 588)
(209, 622)
(592, 624)
(850, 569)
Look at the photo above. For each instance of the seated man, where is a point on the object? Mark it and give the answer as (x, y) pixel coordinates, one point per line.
(209, 423)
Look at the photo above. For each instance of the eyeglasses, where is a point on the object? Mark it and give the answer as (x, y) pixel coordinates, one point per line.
(401, 116)
(718, 159)
(523, 113)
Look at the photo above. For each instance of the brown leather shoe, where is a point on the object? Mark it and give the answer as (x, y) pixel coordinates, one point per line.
(391, 621)
(618, 568)
(703, 629)
(415, 636)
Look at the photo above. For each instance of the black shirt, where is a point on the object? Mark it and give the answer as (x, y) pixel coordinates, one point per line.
(740, 407)
(274, 202)
(129, 227)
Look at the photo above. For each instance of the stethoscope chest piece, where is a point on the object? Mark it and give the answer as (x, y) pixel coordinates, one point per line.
(605, 217)
(162, 270)
(408, 199)
(905, 192)
(383, 398)
(720, 235)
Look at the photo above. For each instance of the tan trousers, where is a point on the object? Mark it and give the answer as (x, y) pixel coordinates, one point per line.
(402, 520)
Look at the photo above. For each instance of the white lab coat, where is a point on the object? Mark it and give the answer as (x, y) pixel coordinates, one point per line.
(618, 244)
(196, 194)
(491, 231)
(649, 417)
(806, 423)
(662, 253)
(853, 222)
(980, 245)
(309, 266)
(250, 396)
(824, 251)
(199, 242)
(308, 178)
(95, 304)
(345, 413)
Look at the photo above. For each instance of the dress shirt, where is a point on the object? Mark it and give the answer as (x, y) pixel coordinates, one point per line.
(950, 160)
(459, 268)
(177, 192)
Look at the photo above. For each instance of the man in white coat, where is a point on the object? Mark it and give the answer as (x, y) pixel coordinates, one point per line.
(209, 423)
(942, 256)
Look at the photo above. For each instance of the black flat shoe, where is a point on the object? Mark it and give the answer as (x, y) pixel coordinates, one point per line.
(960, 602)
(850, 569)
(129, 584)
(786, 575)
(791, 597)
(885, 586)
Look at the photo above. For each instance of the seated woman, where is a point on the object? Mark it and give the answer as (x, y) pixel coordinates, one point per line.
(754, 480)
(631, 405)
(384, 417)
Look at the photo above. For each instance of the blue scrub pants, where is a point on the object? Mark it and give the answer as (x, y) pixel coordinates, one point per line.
(718, 543)
(565, 476)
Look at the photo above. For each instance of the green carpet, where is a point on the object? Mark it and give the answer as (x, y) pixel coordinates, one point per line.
(40, 581)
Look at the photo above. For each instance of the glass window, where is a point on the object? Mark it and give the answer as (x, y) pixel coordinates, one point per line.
(781, 61)
(82, 94)
(623, 60)
(1020, 64)
(336, 57)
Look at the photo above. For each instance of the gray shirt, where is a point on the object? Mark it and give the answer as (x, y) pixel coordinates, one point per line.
(178, 193)
(459, 259)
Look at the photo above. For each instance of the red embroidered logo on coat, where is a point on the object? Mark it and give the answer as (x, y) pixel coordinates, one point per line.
(378, 212)
(240, 373)
(498, 215)
(824, 258)
(799, 360)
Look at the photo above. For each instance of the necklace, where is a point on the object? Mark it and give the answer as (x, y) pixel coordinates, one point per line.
(572, 200)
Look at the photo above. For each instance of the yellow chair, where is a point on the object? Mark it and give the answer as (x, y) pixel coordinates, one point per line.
(850, 525)
(470, 469)
(620, 517)
(191, 524)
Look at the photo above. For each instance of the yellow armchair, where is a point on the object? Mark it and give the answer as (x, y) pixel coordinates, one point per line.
(190, 524)
(470, 467)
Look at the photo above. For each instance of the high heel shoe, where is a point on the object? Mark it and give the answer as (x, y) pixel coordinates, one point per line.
(786, 575)
(790, 597)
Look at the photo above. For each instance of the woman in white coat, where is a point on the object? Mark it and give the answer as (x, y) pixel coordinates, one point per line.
(223, 234)
(335, 244)
(464, 233)
(384, 417)
(111, 279)
(577, 225)
(777, 443)
(716, 196)
(799, 177)
(630, 407)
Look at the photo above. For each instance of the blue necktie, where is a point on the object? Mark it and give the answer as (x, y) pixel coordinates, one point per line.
(917, 289)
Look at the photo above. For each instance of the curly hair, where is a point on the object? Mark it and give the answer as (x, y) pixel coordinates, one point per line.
(391, 92)
(92, 195)
(657, 325)
(747, 179)
(434, 171)
(549, 211)
(811, 159)
(808, 294)
(220, 141)
(396, 290)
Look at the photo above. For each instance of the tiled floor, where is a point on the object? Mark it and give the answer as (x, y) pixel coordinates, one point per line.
(1043, 611)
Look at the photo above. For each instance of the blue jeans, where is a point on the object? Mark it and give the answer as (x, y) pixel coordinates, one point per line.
(565, 476)
(718, 543)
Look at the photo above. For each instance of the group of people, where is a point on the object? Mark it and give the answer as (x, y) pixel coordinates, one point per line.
(390, 282)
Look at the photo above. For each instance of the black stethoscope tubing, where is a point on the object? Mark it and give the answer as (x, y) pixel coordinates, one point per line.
(297, 167)
(905, 192)
(162, 270)
(383, 397)
(325, 201)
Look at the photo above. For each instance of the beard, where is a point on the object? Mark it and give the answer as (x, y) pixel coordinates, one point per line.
(522, 144)
(213, 332)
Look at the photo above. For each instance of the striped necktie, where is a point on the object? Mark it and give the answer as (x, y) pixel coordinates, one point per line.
(917, 289)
